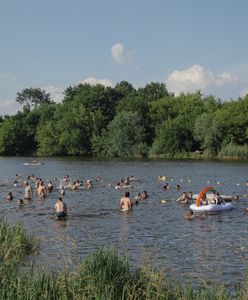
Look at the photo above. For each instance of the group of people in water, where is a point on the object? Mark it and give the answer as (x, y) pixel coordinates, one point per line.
(125, 204)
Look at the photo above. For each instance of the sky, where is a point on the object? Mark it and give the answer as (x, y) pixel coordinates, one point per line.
(187, 44)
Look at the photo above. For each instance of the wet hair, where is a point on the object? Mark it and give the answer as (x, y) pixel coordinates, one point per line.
(126, 194)
(60, 199)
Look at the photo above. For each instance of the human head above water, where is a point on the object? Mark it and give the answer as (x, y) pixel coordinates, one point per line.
(126, 194)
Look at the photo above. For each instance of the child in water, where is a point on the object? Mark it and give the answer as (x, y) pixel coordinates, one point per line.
(21, 202)
(10, 196)
(190, 215)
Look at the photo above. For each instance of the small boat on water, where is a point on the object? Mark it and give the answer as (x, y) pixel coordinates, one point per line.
(33, 164)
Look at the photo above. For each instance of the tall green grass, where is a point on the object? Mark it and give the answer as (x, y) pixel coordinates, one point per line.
(234, 151)
(15, 243)
(104, 275)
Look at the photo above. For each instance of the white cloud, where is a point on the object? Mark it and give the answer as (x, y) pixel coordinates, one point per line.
(196, 78)
(95, 81)
(244, 92)
(119, 55)
(9, 107)
(55, 92)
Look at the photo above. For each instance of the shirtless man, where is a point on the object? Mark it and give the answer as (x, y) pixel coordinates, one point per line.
(125, 202)
(41, 190)
(60, 208)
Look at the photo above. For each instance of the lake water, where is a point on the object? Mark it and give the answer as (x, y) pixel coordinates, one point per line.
(212, 247)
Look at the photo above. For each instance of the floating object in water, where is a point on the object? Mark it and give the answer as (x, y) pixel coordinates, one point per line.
(162, 178)
(181, 180)
(172, 179)
(32, 164)
(218, 182)
(212, 207)
(189, 180)
(208, 181)
(238, 183)
(163, 201)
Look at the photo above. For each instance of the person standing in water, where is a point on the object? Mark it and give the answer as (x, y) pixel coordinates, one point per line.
(28, 193)
(125, 202)
(60, 208)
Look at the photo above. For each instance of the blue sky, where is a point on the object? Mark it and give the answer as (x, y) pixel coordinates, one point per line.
(188, 44)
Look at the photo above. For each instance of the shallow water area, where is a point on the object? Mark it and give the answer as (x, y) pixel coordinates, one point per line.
(211, 247)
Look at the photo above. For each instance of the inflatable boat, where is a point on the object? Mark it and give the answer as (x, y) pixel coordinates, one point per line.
(212, 207)
(203, 198)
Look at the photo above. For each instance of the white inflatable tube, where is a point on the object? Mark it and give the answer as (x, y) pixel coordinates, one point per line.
(212, 207)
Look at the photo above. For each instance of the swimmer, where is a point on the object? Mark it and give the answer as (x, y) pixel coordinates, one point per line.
(144, 195)
(21, 202)
(74, 186)
(125, 202)
(118, 186)
(77, 184)
(62, 191)
(166, 187)
(41, 190)
(204, 200)
(183, 198)
(60, 208)
(190, 197)
(190, 215)
(98, 178)
(28, 193)
(89, 184)
(50, 187)
(10, 196)
(17, 177)
(178, 187)
(138, 197)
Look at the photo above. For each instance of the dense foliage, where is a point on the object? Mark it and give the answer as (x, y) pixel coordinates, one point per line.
(126, 122)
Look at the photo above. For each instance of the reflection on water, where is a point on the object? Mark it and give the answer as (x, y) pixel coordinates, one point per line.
(210, 247)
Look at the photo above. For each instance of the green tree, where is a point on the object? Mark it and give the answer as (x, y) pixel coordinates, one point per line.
(153, 91)
(124, 137)
(32, 97)
(208, 133)
(124, 88)
(172, 137)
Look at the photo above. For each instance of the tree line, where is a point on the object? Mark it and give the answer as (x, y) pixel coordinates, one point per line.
(126, 122)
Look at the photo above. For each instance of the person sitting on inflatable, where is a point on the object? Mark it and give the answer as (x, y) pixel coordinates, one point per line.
(204, 200)
(218, 199)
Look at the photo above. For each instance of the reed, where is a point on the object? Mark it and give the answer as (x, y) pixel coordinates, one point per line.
(234, 151)
(15, 243)
(104, 275)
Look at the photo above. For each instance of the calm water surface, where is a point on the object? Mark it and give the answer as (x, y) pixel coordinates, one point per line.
(212, 247)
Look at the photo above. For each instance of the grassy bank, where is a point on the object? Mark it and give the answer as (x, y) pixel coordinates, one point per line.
(103, 275)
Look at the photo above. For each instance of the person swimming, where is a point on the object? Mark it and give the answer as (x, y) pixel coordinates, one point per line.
(183, 198)
(21, 202)
(190, 215)
(50, 187)
(10, 196)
